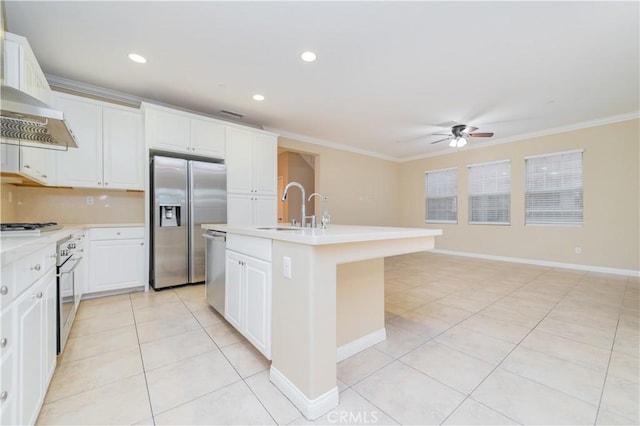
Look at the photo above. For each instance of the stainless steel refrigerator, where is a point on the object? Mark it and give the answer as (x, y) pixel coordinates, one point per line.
(184, 195)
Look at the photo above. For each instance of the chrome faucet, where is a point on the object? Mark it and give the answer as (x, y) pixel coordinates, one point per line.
(303, 210)
(325, 214)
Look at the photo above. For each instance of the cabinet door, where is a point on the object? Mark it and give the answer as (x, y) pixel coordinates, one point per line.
(239, 161)
(169, 131)
(207, 138)
(32, 162)
(30, 350)
(122, 148)
(240, 210)
(234, 276)
(9, 336)
(50, 309)
(265, 211)
(82, 166)
(258, 305)
(128, 255)
(266, 164)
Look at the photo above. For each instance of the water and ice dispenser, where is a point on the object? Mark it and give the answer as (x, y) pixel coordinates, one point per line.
(170, 215)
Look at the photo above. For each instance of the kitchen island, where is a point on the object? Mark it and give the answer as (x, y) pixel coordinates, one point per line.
(327, 299)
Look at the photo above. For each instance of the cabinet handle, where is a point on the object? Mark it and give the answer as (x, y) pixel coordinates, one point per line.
(141, 244)
(117, 233)
(3, 342)
(3, 396)
(38, 295)
(99, 183)
(44, 176)
(106, 183)
(53, 256)
(26, 166)
(4, 290)
(37, 267)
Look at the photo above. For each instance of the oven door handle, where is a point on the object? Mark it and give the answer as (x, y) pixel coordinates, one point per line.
(77, 261)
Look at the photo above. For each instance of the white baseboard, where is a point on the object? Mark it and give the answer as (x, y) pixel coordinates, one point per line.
(577, 266)
(360, 344)
(310, 408)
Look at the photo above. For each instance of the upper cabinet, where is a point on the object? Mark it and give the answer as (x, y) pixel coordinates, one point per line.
(177, 131)
(251, 177)
(21, 69)
(110, 149)
(252, 161)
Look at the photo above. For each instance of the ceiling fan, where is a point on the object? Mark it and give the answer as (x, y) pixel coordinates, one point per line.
(460, 133)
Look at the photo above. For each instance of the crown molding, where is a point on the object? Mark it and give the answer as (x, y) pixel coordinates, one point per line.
(329, 144)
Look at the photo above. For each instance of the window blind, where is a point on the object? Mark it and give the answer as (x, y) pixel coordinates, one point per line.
(490, 193)
(441, 188)
(553, 189)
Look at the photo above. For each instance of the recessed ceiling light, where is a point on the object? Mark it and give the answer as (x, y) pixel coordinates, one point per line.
(308, 56)
(258, 97)
(137, 58)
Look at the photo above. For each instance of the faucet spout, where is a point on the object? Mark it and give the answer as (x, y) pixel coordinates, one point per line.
(303, 209)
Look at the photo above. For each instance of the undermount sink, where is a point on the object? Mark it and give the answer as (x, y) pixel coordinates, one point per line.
(279, 228)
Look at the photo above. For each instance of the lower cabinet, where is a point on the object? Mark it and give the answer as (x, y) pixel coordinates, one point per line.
(248, 298)
(35, 319)
(117, 258)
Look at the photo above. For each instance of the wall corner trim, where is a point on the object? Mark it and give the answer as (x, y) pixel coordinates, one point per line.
(576, 266)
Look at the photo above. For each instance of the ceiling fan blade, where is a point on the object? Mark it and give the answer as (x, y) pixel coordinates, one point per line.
(480, 135)
(469, 129)
(440, 134)
(440, 140)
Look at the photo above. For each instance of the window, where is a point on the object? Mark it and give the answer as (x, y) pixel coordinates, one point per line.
(490, 193)
(442, 196)
(553, 189)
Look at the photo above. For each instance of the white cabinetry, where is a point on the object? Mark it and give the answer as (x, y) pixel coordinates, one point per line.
(36, 164)
(248, 290)
(251, 177)
(21, 69)
(110, 149)
(178, 131)
(28, 341)
(117, 258)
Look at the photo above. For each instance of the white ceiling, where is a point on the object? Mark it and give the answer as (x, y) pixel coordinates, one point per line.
(387, 72)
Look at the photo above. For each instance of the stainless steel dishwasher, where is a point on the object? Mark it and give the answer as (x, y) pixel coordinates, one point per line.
(215, 269)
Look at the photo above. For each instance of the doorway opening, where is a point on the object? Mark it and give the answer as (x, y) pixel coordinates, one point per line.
(299, 167)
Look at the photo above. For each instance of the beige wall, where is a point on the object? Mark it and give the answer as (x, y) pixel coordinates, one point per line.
(362, 190)
(610, 234)
(65, 205)
(7, 203)
(293, 167)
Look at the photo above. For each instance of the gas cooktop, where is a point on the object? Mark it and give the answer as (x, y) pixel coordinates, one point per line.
(28, 228)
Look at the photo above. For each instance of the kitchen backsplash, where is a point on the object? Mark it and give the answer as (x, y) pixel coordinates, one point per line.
(65, 205)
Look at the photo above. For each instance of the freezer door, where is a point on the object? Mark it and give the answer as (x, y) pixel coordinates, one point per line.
(208, 195)
(170, 222)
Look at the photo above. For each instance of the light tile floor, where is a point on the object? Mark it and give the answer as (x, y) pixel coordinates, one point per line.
(469, 342)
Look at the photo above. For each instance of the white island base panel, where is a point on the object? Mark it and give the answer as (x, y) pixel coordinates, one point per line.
(331, 308)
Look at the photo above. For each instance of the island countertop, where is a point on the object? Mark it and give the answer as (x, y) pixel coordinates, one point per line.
(334, 234)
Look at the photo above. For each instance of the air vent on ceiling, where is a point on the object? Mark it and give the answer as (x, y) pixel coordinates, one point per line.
(231, 114)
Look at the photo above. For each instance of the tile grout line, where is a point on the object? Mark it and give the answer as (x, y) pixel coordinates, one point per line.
(144, 371)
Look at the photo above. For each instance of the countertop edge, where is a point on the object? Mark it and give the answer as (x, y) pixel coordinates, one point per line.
(335, 234)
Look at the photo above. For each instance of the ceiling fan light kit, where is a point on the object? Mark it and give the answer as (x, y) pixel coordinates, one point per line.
(458, 142)
(460, 134)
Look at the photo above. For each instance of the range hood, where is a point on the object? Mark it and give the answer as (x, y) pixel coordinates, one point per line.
(24, 118)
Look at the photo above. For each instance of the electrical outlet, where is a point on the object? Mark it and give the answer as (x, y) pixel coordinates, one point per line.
(286, 267)
(89, 200)
(578, 250)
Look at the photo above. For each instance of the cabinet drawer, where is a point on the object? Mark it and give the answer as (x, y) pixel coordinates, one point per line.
(123, 233)
(250, 246)
(19, 275)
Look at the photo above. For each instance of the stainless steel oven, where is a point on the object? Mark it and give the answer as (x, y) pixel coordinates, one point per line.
(70, 254)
